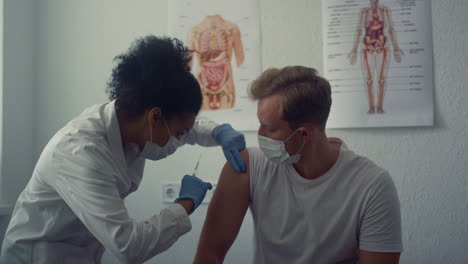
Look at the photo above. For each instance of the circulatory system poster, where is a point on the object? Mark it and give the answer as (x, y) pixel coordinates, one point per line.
(378, 59)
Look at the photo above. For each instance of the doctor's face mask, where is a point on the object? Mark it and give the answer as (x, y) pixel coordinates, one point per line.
(153, 151)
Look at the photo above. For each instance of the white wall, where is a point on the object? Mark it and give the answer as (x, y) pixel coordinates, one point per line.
(17, 102)
(3, 220)
(1, 96)
(18, 97)
(76, 45)
(75, 42)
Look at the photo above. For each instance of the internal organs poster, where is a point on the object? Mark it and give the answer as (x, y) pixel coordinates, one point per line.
(378, 59)
(225, 37)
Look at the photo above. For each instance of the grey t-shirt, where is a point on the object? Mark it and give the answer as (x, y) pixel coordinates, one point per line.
(325, 220)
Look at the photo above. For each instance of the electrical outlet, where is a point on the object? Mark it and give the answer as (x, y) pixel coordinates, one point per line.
(170, 191)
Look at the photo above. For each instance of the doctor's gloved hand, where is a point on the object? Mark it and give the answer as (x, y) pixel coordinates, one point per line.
(232, 143)
(194, 189)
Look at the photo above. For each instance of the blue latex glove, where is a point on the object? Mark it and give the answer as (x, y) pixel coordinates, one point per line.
(193, 188)
(232, 143)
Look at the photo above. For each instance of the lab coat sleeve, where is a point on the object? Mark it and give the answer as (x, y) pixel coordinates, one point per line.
(201, 133)
(86, 182)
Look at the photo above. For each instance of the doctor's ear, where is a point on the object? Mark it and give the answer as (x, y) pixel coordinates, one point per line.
(155, 113)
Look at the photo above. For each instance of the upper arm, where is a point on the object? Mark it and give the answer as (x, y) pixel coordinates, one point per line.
(387, 16)
(367, 257)
(238, 47)
(380, 228)
(380, 234)
(362, 16)
(225, 214)
(191, 45)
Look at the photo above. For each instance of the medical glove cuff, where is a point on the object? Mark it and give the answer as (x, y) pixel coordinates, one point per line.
(193, 188)
(220, 130)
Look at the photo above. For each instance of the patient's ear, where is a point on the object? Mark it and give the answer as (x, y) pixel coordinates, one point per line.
(309, 131)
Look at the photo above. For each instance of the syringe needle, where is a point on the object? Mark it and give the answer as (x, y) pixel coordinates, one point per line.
(196, 167)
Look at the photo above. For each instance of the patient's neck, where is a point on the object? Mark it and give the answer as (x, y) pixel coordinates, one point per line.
(317, 158)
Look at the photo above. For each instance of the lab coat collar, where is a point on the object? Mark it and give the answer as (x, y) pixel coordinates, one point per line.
(114, 139)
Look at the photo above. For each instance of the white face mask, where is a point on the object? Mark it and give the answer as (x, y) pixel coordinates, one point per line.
(275, 150)
(153, 151)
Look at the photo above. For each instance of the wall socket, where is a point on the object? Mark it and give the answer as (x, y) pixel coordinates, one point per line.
(170, 192)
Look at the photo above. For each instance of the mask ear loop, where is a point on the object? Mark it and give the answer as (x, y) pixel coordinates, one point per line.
(168, 130)
(303, 144)
(291, 135)
(151, 127)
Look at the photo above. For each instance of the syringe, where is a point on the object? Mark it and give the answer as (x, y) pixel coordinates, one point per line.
(196, 167)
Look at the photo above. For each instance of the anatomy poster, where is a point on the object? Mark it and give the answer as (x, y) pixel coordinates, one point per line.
(378, 59)
(225, 37)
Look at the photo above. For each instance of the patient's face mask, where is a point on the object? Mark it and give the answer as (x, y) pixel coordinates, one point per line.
(153, 151)
(275, 150)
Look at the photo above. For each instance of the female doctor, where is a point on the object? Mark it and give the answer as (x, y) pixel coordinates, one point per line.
(73, 208)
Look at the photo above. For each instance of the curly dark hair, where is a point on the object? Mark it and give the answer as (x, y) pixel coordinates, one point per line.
(154, 72)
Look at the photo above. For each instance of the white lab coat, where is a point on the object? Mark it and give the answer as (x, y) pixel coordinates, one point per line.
(73, 206)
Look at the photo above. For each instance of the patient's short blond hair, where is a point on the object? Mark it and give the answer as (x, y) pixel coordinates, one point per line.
(306, 95)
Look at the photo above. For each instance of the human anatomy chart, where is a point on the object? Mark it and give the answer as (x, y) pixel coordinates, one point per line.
(225, 38)
(215, 39)
(378, 58)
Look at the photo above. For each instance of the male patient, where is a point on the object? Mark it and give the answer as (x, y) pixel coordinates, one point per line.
(313, 200)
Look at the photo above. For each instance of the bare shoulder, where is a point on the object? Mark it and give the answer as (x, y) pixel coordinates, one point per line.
(245, 156)
(229, 174)
(233, 184)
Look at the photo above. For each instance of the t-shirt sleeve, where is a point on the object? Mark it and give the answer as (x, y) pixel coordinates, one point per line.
(254, 163)
(380, 229)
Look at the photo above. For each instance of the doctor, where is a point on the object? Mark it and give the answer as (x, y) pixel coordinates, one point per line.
(73, 207)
